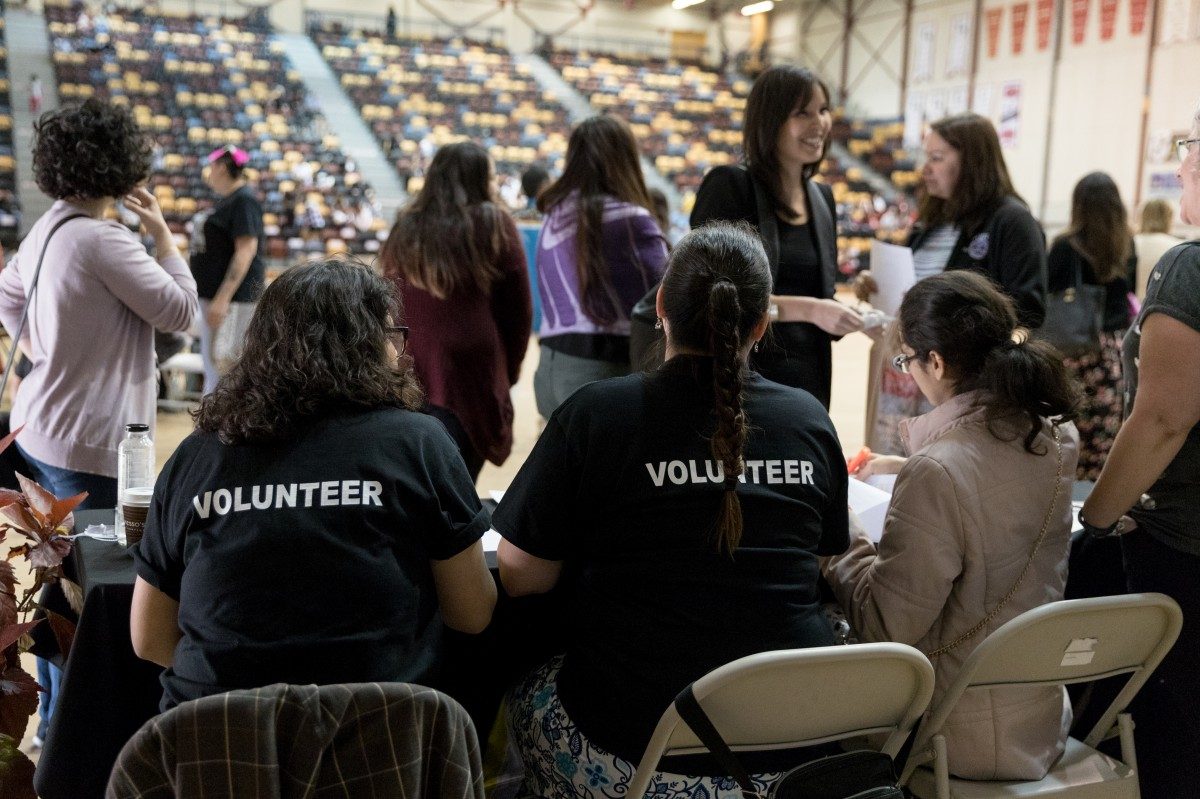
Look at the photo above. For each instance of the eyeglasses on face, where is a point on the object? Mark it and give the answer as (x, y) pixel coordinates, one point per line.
(1183, 147)
(398, 335)
(900, 362)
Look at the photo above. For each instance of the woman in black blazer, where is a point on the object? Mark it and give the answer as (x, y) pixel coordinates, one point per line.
(785, 137)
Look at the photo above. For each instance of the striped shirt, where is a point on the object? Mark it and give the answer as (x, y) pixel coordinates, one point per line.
(935, 251)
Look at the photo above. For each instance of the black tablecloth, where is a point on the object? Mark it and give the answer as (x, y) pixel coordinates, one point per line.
(107, 692)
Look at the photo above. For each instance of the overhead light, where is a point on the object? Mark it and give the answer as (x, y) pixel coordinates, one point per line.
(681, 4)
(757, 8)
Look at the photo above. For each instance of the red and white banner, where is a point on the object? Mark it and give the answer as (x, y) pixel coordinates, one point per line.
(1079, 15)
(1020, 15)
(1108, 19)
(1137, 16)
(1045, 18)
(994, 18)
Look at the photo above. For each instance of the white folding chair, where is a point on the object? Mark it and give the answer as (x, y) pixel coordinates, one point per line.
(800, 697)
(1073, 641)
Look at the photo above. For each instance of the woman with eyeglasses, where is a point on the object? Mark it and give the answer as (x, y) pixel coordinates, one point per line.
(226, 258)
(970, 217)
(979, 525)
(1157, 453)
(316, 527)
(457, 261)
(1096, 249)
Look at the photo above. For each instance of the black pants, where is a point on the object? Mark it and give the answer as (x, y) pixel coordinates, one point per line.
(470, 456)
(1166, 720)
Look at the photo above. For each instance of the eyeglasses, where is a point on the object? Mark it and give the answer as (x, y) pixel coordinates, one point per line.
(1183, 147)
(398, 334)
(900, 362)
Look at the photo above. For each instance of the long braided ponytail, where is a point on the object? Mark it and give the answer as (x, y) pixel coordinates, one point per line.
(716, 289)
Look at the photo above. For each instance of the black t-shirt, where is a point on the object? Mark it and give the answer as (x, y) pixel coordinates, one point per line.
(1173, 289)
(308, 561)
(212, 246)
(622, 486)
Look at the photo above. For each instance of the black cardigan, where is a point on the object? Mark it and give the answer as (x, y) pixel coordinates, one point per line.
(730, 193)
(1010, 248)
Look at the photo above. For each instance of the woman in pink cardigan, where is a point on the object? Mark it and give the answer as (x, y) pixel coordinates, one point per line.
(985, 492)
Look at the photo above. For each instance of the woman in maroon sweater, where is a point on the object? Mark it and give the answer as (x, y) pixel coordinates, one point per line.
(457, 260)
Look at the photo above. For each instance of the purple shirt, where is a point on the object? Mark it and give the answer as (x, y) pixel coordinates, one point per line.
(90, 336)
(634, 249)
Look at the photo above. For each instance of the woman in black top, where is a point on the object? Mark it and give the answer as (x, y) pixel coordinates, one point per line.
(688, 506)
(785, 137)
(1097, 249)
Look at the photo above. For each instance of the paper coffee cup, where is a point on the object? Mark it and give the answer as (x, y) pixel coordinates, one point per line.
(135, 505)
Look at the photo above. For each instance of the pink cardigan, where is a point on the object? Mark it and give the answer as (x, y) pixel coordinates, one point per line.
(90, 336)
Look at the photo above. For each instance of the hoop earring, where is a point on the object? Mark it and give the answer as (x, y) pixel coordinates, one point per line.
(658, 324)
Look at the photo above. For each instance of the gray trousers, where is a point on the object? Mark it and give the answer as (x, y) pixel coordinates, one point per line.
(558, 376)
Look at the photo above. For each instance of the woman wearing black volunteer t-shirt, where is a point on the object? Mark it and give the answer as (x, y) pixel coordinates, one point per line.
(315, 524)
(785, 137)
(690, 505)
(226, 261)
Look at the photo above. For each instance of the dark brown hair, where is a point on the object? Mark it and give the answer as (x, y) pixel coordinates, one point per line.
(89, 151)
(453, 233)
(602, 161)
(1099, 227)
(963, 317)
(775, 94)
(983, 180)
(317, 346)
(716, 289)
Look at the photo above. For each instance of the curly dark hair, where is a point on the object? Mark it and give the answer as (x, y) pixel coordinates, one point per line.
(89, 151)
(317, 346)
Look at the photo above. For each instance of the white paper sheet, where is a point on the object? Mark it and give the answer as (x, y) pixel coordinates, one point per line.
(870, 504)
(892, 268)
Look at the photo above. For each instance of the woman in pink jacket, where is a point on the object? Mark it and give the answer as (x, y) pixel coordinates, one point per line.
(979, 525)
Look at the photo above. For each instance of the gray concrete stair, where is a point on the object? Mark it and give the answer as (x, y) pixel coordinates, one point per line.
(28, 54)
(357, 140)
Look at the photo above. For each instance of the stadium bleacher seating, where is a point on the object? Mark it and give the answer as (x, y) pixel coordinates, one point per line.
(417, 94)
(202, 82)
(10, 209)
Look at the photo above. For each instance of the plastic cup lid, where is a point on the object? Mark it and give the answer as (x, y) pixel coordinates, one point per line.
(138, 496)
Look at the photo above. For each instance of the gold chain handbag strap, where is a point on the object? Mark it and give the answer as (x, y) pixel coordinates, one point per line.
(971, 633)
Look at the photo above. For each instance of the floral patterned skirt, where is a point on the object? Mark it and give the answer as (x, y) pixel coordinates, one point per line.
(561, 763)
(1099, 416)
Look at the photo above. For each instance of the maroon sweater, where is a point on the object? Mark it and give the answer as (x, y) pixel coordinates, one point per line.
(467, 349)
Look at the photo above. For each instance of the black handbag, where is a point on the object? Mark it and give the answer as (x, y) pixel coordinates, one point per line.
(11, 460)
(861, 774)
(1074, 318)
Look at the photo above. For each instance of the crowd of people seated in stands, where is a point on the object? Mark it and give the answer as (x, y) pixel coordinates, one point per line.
(202, 82)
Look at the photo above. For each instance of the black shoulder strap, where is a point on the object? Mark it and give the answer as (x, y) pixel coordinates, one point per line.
(768, 223)
(37, 273)
(694, 716)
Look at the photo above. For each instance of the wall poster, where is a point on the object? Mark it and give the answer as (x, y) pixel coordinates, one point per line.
(1108, 19)
(1010, 114)
(960, 46)
(1045, 18)
(994, 18)
(1177, 20)
(982, 102)
(923, 57)
(1137, 16)
(1079, 15)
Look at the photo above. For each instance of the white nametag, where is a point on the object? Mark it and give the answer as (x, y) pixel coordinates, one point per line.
(1080, 652)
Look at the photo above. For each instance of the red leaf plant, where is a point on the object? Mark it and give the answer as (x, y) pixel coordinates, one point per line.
(43, 522)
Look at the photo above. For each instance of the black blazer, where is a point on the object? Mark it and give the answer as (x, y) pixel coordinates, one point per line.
(1010, 248)
(731, 194)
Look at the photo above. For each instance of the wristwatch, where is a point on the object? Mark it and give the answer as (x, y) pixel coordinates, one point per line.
(1116, 528)
(773, 312)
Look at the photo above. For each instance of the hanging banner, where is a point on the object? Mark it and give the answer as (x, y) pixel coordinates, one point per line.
(1108, 19)
(1020, 15)
(1010, 114)
(1079, 15)
(994, 18)
(960, 46)
(1177, 21)
(1045, 17)
(1137, 16)
(923, 58)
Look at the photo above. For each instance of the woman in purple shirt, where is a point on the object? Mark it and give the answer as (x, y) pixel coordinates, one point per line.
(599, 252)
